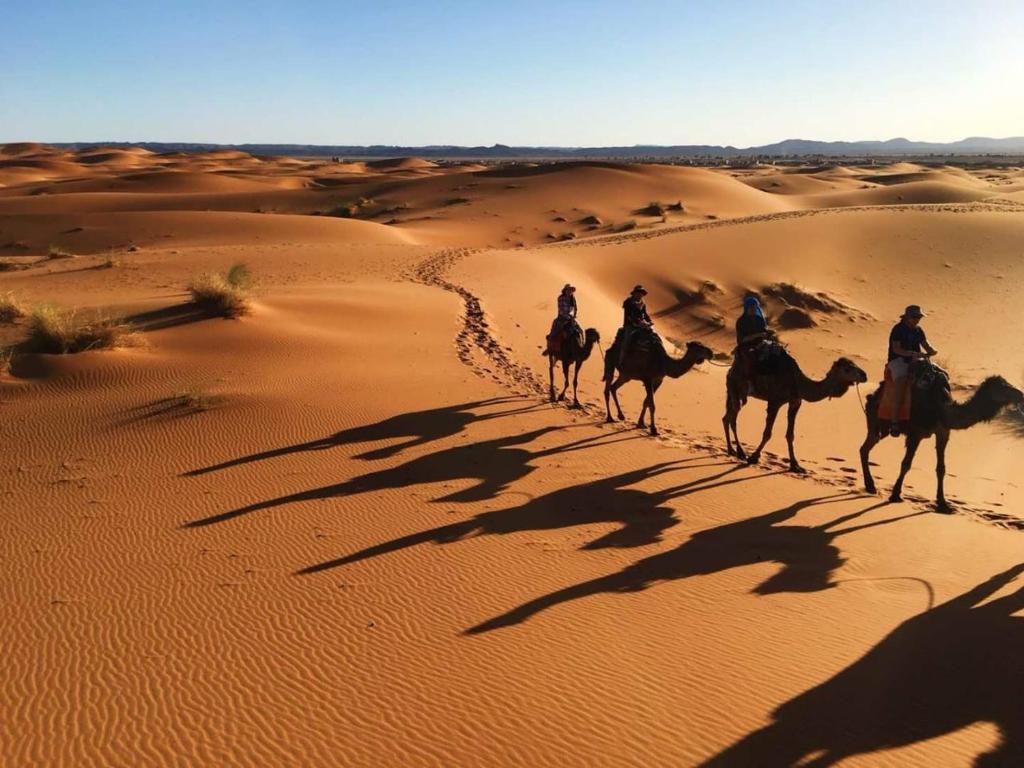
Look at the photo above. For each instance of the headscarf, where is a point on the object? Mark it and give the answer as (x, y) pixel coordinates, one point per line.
(751, 301)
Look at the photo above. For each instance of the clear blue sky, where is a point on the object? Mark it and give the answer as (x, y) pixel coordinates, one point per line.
(540, 73)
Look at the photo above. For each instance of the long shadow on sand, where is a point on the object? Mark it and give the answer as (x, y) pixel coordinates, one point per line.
(642, 515)
(493, 464)
(422, 427)
(168, 317)
(806, 553)
(949, 667)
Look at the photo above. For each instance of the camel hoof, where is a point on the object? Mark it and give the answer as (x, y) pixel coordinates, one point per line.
(796, 469)
(576, 404)
(622, 417)
(561, 398)
(654, 432)
(895, 498)
(741, 455)
(609, 420)
(944, 508)
(754, 458)
(870, 488)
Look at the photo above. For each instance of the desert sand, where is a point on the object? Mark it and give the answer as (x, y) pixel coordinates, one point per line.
(350, 529)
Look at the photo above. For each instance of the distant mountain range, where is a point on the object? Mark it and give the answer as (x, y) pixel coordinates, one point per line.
(976, 145)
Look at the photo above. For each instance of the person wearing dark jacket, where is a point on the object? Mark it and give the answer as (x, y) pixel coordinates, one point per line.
(751, 326)
(635, 318)
(751, 330)
(907, 343)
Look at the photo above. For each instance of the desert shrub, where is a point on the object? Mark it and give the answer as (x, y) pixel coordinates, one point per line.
(653, 208)
(224, 295)
(56, 252)
(189, 399)
(64, 331)
(10, 308)
(6, 356)
(626, 226)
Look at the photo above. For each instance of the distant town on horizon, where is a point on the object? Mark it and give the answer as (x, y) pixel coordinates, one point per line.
(976, 145)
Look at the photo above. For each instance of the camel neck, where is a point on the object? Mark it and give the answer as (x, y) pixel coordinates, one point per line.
(973, 411)
(814, 391)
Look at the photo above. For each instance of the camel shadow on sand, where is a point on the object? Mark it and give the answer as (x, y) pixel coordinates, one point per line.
(947, 668)
(642, 515)
(807, 555)
(492, 465)
(421, 427)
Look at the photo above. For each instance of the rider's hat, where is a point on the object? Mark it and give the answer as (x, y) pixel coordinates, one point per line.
(568, 287)
(639, 289)
(913, 311)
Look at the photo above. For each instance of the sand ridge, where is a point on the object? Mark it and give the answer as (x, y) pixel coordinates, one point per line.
(348, 528)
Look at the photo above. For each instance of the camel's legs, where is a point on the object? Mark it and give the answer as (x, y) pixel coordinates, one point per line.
(575, 384)
(913, 441)
(941, 439)
(551, 377)
(610, 390)
(865, 452)
(769, 422)
(732, 414)
(565, 373)
(641, 423)
(615, 396)
(727, 417)
(794, 408)
(651, 388)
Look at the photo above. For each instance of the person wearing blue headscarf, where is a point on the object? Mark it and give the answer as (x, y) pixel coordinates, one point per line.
(751, 326)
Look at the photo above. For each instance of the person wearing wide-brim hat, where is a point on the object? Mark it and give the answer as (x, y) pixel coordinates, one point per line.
(907, 342)
(566, 318)
(634, 318)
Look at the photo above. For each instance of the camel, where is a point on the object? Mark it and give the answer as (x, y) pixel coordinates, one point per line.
(786, 385)
(647, 361)
(933, 411)
(573, 351)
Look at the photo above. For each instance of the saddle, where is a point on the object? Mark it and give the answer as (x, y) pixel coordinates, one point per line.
(567, 331)
(639, 338)
(765, 358)
(924, 375)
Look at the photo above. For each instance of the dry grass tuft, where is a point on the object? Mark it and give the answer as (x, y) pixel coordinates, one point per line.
(224, 295)
(6, 356)
(10, 309)
(56, 252)
(65, 331)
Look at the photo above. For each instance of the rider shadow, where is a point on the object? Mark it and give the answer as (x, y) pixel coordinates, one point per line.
(493, 464)
(642, 516)
(942, 670)
(422, 427)
(807, 555)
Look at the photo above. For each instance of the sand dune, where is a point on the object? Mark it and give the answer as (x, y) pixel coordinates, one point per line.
(349, 529)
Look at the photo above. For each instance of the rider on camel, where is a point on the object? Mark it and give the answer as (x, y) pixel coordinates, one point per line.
(635, 319)
(566, 319)
(907, 343)
(751, 330)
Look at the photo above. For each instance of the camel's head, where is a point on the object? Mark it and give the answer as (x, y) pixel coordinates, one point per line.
(592, 336)
(1000, 392)
(699, 352)
(847, 371)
